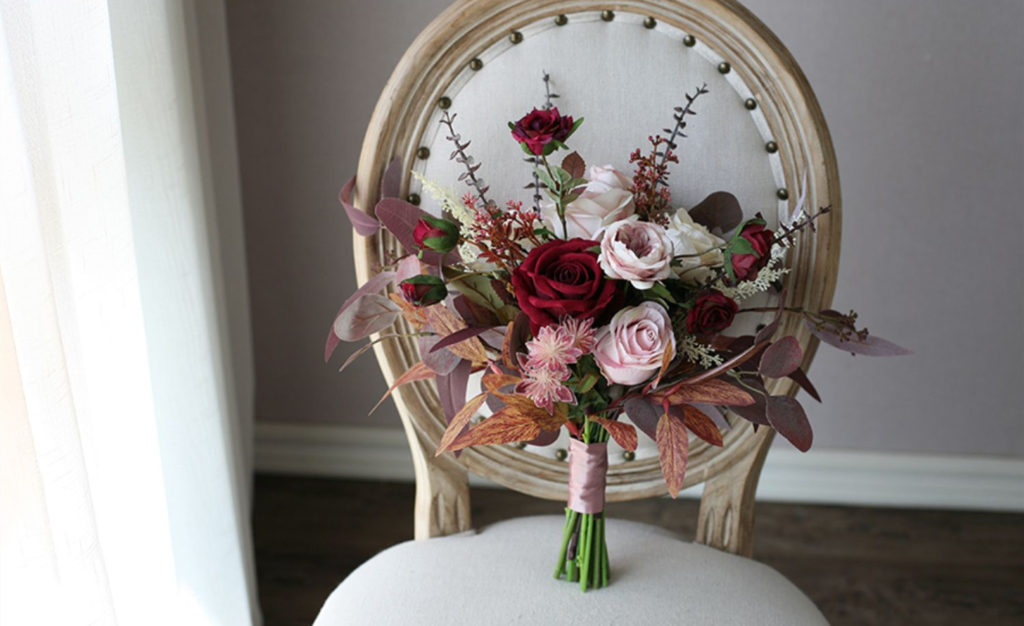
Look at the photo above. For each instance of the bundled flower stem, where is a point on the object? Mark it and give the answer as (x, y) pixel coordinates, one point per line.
(583, 555)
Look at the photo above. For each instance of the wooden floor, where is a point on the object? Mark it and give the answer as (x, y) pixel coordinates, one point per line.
(861, 566)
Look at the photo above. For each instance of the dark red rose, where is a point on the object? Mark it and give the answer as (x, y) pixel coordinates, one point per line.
(436, 234)
(423, 290)
(712, 313)
(539, 128)
(747, 264)
(563, 278)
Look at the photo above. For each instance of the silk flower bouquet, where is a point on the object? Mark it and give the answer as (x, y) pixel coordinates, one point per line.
(601, 309)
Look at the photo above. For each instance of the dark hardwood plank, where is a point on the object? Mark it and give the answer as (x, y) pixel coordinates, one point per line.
(862, 566)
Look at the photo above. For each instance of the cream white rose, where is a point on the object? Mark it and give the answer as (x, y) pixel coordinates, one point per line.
(630, 349)
(700, 247)
(605, 200)
(640, 252)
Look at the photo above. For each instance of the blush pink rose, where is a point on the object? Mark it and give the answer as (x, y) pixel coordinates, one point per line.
(629, 350)
(605, 200)
(640, 252)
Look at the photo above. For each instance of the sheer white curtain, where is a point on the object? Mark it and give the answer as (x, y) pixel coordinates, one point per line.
(124, 453)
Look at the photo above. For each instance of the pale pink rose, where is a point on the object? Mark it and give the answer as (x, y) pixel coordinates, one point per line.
(605, 200)
(640, 252)
(604, 178)
(629, 350)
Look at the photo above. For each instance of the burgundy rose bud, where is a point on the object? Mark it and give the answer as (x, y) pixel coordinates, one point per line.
(750, 249)
(436, 234)
(542, 131)
(423, 290)
(712, 313)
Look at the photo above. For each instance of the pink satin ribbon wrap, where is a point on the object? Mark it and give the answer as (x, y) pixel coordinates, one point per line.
(588, 467)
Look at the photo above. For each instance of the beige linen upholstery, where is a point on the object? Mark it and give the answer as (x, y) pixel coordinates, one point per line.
(502, 575)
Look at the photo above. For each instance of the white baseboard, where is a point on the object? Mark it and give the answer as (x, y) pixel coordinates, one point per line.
(819, 476)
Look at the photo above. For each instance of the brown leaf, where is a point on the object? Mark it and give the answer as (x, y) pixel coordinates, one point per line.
(459, 422)
(420, 371)
(673, 448)
(506, 348)
(701, 425)
(622, 433)
(714, 391)
(444, 323)
(574, 165)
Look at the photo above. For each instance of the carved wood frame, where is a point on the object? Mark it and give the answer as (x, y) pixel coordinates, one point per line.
(433, 61)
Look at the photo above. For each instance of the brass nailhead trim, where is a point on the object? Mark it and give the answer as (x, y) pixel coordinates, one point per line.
(650, 22)
(607, 15)
(413, 198)
(423, 152)
(724, 67)
(444, 102)
(561, 454)
(782, 194)
(561, 20)
(771, 147)
(476, 64)
(515, 37)
(689, 41)
(750, 103)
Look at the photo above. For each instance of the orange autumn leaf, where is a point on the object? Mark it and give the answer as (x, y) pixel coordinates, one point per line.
(444, 323)
(701, 425)
(514, 423)
(420, 371)
(714, 391)
(623, 434)
(412, 314)
(673, 448)
(493, 382)
(459, 422)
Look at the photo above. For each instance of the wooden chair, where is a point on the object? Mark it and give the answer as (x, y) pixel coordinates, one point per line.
(759, 134)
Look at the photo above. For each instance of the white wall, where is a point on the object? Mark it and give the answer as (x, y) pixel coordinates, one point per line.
(923, 98)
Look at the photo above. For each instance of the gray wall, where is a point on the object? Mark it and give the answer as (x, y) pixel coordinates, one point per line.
(924, 101)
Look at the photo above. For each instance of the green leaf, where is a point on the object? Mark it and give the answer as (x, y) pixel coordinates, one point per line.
(662, 292)
(588, 382)
(476, 287)
(545, 178)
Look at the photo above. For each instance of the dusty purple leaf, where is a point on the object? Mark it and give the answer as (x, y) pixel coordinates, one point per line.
(332, 343)
(545, 438)
(781, 358)
(788, 418)
(872, 346)
(408, 267)
(451, 389)
(369, 314)
(720, 212)
(800, 377)
(443, 362)
(754, 413)
(768, 331)
(458, 336)
(401, 217)
(644, 414)
(363, 224)
(391, 181)
(374, 285)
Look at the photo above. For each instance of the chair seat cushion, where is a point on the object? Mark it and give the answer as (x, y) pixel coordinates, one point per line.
(503, 575)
